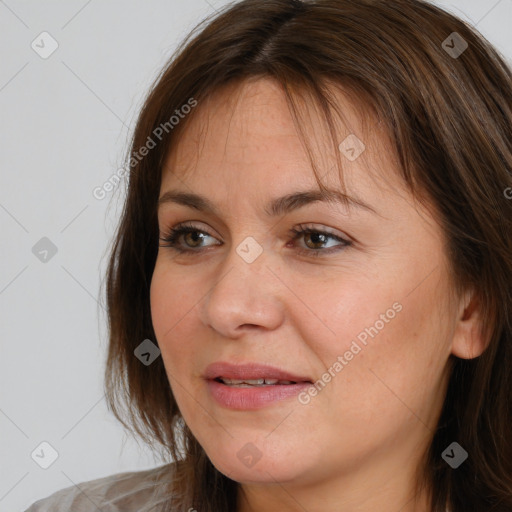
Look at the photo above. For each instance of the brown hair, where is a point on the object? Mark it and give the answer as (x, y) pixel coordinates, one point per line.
(449, 118)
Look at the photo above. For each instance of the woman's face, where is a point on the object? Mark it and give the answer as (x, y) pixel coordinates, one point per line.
(369, 321)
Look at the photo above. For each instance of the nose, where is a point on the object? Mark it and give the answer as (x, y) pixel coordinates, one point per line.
(246, 295)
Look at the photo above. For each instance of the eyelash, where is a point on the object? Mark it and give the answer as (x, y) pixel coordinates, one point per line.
(173, 235)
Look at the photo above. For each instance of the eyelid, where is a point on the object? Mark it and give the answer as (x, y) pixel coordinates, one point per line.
(324, 229)
(195, 225)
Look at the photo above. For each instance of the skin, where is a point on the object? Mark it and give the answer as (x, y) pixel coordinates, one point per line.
(357, 444)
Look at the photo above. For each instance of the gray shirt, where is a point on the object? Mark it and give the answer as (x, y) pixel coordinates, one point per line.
(141, 491)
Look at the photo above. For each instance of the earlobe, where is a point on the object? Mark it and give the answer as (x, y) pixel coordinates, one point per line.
(468, 341)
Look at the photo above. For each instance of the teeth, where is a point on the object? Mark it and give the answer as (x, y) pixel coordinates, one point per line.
(255, 382)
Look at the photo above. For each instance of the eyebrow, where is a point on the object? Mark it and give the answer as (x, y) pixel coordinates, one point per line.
(276, 207)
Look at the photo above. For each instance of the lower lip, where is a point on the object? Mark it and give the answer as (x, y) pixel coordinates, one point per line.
(253, 398)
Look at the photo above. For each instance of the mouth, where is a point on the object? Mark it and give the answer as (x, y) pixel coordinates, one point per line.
(249, 383)
(252, 374)
(251, 386)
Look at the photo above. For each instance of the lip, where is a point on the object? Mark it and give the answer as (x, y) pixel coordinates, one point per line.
(251, 398)
(249, 371)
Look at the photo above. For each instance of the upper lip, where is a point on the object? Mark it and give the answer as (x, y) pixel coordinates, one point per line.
(250, 371)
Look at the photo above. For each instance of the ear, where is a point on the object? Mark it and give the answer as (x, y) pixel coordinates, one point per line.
(468, 341)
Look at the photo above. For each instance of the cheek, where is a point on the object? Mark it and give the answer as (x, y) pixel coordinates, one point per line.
(380, 347)
(171, 310)
(397, 373)
(172, 313)
(346, 314)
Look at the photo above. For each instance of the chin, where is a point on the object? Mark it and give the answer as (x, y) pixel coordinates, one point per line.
(267, 469)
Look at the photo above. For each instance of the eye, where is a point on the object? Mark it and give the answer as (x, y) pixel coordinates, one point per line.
(192, 243)
(174, 234)
(317, 236)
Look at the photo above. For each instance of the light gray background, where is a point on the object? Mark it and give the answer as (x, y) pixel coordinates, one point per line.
(65, 126)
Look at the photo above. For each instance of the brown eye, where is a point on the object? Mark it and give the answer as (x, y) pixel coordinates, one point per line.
(191, 235)
(318, 237)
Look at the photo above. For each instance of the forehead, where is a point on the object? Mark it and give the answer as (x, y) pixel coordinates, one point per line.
(245, 135)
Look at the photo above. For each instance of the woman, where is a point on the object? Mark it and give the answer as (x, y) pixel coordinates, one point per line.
(344, 340)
